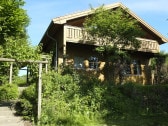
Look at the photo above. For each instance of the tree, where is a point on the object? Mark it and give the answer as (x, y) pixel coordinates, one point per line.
(13, 20)
(117, 30)
(13, 35)
(160, 66)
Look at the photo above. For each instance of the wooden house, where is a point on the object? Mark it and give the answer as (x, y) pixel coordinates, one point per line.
(65, 38)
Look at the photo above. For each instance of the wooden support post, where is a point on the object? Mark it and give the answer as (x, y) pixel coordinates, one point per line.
(46, 67)
(27, 79)
(64, 46)
(39, 90)
(10, 76)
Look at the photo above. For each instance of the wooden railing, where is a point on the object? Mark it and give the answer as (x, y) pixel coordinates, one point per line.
(78, 35)
(148, 45)
(74, 34)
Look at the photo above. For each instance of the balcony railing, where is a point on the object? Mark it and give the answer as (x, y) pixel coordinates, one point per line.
(148, 45)
(74, 34)
(78, 35)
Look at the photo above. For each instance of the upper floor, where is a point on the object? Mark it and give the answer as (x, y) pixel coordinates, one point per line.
(69, 28)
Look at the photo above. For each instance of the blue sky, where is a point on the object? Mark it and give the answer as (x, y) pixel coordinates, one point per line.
(41, 12)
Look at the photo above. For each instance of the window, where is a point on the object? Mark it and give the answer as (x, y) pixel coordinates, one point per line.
(127, 68)
(93, 62)
(78, 62)
(136, 67)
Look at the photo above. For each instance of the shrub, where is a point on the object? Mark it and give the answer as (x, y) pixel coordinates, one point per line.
(79, 100)
(8, 92)
(148, 99)
(27, 105)
(130, 101)
(24, 108)
(65, 104)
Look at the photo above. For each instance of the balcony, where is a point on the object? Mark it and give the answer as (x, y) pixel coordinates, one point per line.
(148, 45)
(78, 35)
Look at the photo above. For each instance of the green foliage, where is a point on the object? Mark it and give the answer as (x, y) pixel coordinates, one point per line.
(13, 20)
(13, 36)
(24, 109)
(150, 99)
(20, 80)
(115, 30)
(125, 104)
(27, 105)
(21, 51)
(159, 66)
(116, 26)
(69, 103)
(8, 92)
(87, 101)
(66, 103)
(30, 93)
(1, 51)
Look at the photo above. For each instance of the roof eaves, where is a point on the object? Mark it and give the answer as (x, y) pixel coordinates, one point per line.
(45, 32)
(63, 19)
(164, 39)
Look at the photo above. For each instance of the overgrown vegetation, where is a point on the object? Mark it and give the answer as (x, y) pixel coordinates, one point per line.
(27, 104)
(68, 101)
(8, 92)
(159, 65)
(20, 81)
(79, 100)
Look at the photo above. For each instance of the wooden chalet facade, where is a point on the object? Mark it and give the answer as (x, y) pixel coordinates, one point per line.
(70, 45)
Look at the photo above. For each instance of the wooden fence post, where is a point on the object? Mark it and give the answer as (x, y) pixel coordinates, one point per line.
(39, 91)
(39, 78)
(46, 68)
(11, 71)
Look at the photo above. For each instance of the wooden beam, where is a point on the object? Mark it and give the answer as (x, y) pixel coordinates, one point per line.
(7, 60)
(22, 61)
(39, 91)
(11, 71)
(64, 45)
(46, 68)
(27, 76)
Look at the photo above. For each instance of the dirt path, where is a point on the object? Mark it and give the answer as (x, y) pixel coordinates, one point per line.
(8, 117)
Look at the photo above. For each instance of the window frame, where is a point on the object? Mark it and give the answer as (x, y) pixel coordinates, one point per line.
(133, 68)
(78, 62)
(93, 62)
(136, 67)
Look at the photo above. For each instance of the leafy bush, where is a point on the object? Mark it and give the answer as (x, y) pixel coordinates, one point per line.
(129, 102)
(27, 105)
(89, 102)
(65, 104)
(156, 98)
(8, 92)
(24, 109)
(79, 100)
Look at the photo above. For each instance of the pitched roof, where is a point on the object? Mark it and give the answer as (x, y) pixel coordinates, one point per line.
(64, 19)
